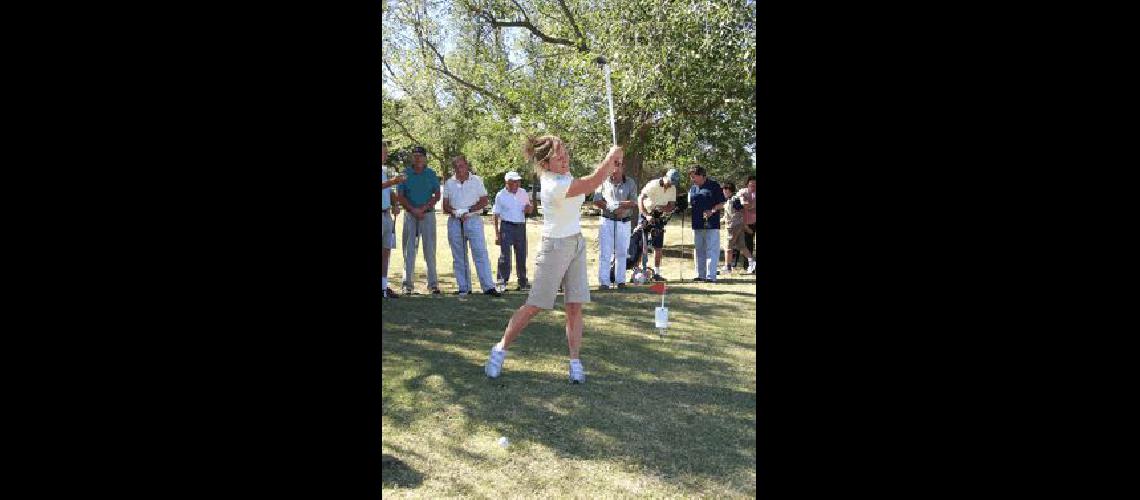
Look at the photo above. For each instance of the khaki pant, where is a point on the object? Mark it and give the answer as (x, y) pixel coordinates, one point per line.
(414, 231)
(388, 230)
(561, 261)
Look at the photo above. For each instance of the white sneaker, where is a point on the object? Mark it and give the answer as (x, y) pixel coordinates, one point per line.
(751, 267)
(577, 373)
(495, 363)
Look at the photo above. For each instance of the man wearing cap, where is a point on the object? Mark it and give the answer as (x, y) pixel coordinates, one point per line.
(418, 195)
(706, 197)
(464, 197)
(388, 226)
(660, 196)
(616, 197)
(512, 203)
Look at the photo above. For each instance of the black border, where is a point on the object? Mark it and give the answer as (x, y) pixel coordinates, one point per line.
(240, 305)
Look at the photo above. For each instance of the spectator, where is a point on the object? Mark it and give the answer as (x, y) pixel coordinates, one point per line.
(616, 198)
(464, 197)
(707, 199)
(748, 199)
(658, 197)
(737, 230)
(418, 195)
(388, 226)
(512, 203)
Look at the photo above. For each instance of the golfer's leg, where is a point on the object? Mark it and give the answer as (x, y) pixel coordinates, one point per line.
(622, 250)
(605, 250)
(515, 326)
(458, 254)
(409, 248)
(478, 241)
(427, 230)
(574, 328)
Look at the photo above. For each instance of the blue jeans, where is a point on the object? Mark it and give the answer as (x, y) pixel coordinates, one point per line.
(707, 245)
(472, 234)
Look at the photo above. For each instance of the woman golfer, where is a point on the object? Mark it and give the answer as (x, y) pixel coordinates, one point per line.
(562, 255)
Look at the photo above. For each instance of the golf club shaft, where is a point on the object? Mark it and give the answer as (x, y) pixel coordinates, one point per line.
(610, 94)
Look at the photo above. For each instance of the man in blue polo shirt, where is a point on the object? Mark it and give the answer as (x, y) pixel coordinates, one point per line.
(418, 195)
(706, 199)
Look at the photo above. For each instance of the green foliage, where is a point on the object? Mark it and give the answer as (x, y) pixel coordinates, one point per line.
(683, 75)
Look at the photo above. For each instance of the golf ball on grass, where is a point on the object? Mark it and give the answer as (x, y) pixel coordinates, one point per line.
(503, 442)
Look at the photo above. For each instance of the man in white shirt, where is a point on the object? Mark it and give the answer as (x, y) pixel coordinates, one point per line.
(616, 197)
(464, 196)
(512, 203)
(658, 197)
(389, 208)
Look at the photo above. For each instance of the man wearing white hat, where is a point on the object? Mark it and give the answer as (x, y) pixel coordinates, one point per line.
(512, 203)
(464, 196)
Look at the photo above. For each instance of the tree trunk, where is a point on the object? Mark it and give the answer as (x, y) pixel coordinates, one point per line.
(633, 168)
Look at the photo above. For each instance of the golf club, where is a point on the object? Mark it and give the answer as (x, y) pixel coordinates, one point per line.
(610, 94)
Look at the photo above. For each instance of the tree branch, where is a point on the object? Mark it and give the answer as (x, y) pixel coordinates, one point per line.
(482, 91)
(570, 18)
(521, 9)
(403, 88)
(533, 29)
(405, 129)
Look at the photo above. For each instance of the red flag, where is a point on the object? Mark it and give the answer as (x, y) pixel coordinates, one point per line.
(658, 287)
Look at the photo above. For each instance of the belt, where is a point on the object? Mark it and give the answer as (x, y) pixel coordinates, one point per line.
(512, 223)
(616, 220)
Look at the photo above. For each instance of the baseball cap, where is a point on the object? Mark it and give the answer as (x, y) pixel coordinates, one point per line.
(420, 150)
(512, 176)
(673, 176)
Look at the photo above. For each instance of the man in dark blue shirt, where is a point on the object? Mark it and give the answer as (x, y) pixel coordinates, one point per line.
(706, 199)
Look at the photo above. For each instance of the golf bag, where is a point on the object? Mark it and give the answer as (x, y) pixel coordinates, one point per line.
(640, 237)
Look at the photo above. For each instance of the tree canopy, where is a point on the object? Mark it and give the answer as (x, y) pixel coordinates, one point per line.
(475, 77)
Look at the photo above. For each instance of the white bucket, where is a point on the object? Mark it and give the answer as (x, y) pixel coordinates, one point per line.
(662, 316)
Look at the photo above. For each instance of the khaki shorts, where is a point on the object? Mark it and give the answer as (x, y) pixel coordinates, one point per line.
(388, 233)
(561, 261)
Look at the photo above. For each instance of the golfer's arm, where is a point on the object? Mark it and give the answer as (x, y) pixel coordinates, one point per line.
(587, 184)
(600, 203)
(446, 205)
(495, 220)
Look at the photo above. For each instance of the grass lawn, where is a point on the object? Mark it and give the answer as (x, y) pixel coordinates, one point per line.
(660, 418)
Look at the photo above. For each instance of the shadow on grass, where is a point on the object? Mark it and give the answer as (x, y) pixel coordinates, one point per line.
(395, 473)
(671, 410)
